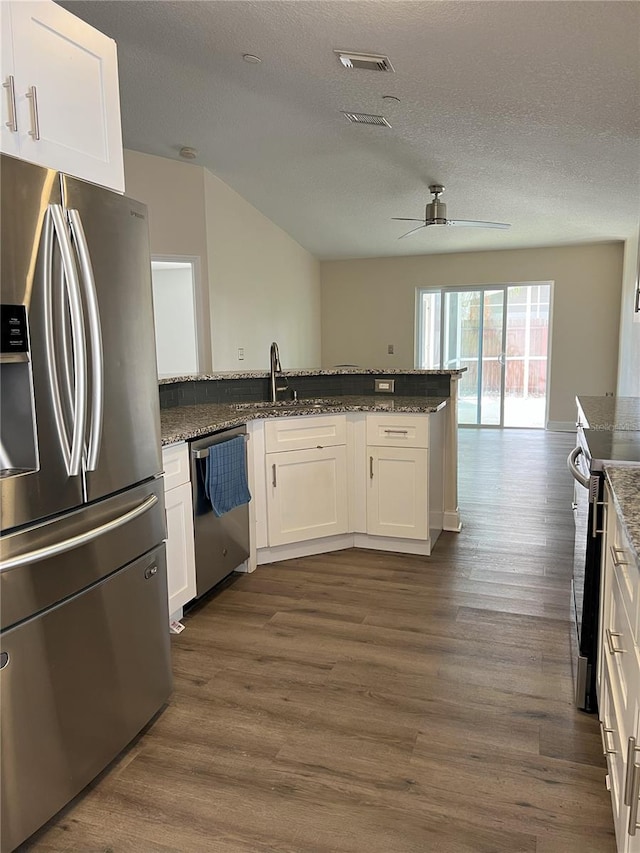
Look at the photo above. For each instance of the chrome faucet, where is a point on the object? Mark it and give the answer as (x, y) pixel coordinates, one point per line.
(275, 369)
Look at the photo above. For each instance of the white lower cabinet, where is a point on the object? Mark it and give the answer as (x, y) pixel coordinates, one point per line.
(619, 685)
(397, 499)
(181, 564)
(306, 494)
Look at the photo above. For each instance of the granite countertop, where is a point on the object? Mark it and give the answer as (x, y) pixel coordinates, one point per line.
(625, 486)
(333, 371)
(181, 423)
(610, 413)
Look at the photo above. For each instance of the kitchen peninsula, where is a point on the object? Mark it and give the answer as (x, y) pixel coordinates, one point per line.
(341, 465)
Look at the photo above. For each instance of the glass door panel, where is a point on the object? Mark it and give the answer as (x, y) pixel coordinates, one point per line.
(462, 344)
(527, 326)
(492, 374)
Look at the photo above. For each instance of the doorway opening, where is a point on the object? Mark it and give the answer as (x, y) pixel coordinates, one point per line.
(176, 315)
(501, 334)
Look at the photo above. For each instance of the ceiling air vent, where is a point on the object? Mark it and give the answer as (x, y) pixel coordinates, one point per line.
(365, 118)
(366, 61)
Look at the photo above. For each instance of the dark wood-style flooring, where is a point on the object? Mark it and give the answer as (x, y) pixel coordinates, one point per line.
(377, 703)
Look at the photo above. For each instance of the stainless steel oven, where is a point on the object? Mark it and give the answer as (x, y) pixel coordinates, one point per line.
(594, 448)
(585, 581)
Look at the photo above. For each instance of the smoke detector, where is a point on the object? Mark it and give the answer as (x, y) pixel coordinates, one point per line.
(365, 61)
(188, 153)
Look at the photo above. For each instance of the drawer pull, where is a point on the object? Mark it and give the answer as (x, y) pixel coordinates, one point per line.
(617, 561)
(10, 86)
(635, 795)
(397, 431)
(612, 648)
(628, 782)
(606, 749)
(32, 95)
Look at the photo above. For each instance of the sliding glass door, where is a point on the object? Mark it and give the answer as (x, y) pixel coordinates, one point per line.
(500, 334)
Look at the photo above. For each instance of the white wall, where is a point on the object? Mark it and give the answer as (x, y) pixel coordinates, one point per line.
(629, 354)
(259, 284)
(368, 304)
(173, 310)
(174, 195)
(264, 286)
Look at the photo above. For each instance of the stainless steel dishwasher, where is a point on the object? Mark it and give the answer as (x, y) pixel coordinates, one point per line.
(221, 543)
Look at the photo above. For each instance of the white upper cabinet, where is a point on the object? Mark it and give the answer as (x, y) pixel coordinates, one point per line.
(61, 105)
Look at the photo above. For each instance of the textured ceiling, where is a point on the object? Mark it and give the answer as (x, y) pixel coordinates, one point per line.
(527, 112)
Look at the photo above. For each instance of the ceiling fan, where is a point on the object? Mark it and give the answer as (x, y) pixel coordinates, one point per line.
(436, 214)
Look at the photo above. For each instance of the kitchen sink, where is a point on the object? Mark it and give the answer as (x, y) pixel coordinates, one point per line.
(312, 403)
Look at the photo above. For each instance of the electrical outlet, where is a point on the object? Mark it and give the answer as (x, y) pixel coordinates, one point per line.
(387, 386)
(240, 353)
(390, 349)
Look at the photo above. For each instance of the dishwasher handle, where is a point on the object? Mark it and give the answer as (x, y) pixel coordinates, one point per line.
(576, 473)
(203, 452)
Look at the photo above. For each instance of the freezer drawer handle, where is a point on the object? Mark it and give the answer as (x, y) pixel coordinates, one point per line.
(81, 539)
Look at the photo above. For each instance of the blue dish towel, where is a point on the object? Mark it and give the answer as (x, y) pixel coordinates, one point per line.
(225, 480)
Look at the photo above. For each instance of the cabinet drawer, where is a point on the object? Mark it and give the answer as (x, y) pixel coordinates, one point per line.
(614, 746)
(399, 430)
(619, 651)
(626, 572)
(175, 462)
(304, 433)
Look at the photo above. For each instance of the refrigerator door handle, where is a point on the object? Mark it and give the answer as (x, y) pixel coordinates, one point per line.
(63, 438)
(76, 541)
(95, 339)
(78, 339)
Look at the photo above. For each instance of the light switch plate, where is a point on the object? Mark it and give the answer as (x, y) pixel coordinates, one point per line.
(386, 386)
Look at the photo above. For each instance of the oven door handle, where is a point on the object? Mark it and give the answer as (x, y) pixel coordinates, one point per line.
(576, 473)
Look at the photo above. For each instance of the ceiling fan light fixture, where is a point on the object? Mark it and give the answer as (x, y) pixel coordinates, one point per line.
(436, 214)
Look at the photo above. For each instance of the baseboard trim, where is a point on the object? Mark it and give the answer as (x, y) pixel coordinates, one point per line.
(451, 521)
(304, 549)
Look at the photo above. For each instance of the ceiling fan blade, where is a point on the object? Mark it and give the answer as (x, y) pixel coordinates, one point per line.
(476, 224)
(407, 219)
(413, 230)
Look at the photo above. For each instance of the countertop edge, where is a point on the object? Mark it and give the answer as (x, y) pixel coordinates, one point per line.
(347, 371)
(246, 415)
(620, 500)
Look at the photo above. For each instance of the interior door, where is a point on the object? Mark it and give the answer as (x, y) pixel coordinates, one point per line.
(123, 414)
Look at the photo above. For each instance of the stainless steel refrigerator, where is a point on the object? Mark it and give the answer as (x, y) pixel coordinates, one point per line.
(84, 648)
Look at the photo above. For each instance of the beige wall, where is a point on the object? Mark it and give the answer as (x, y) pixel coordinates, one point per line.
(264, 286)
(368, 304)
(629, 353)
(174, 194)
(259, 285)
